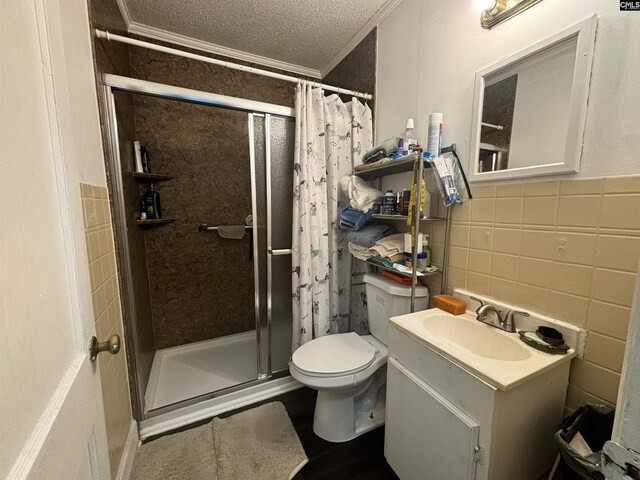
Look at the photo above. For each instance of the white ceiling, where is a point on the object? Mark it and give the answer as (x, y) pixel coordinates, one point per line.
(303, 33)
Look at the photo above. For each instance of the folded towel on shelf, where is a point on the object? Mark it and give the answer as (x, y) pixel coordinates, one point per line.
(368, 236)
(354, 219)
(361, 253)
(383, 149)
(361, 195)
(388, 246)
(234, 232)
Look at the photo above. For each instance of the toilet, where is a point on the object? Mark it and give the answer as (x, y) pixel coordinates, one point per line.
(348, 370)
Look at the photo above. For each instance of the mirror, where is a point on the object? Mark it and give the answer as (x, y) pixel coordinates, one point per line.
(530, 108)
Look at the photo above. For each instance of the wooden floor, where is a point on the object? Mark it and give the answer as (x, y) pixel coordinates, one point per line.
(359, 459)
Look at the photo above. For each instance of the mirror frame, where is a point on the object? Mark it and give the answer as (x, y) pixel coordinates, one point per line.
(585, 32)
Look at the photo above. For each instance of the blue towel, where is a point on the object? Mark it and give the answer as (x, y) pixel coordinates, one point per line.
(354, 219)
(368, 236)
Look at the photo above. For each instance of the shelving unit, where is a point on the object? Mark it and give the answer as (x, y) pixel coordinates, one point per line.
(150, 177)
(400, 165)
(383, 216)
(152, 222)
(399, 273)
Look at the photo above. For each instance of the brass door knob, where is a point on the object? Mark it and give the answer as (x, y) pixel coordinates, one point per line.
(112, 346)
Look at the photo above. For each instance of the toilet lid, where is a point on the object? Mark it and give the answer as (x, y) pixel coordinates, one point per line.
(334, 354)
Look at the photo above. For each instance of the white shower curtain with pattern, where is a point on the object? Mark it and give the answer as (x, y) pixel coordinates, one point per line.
(330, 138)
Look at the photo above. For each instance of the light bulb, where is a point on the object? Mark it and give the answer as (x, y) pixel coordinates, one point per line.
(483, 5)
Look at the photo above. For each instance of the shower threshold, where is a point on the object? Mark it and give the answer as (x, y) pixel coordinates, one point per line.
(188, 371)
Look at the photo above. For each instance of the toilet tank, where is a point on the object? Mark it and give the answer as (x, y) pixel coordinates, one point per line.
(385, 299)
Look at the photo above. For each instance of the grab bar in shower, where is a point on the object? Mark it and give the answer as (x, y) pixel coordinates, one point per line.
(203, 227)
(279, 251)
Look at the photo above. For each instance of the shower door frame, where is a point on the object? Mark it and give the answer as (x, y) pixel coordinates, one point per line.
(110, 84)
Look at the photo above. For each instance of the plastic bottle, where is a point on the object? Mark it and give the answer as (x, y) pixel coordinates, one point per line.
(151, 202)
(434, 139)
(409, 137)
(389, 203)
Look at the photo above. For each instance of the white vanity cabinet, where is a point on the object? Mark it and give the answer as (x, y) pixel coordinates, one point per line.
(445, 423)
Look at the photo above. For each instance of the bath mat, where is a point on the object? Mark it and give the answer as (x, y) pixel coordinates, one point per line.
(258, 444)
(187, 455)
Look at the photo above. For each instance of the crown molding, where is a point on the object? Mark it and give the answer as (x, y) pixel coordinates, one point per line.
(374, 21)
(124, 12)
(189, 42)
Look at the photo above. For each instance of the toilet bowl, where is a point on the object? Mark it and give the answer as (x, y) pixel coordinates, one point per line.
(349, 370)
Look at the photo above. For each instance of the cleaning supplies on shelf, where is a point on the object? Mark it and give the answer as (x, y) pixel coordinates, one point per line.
(151, 203)
(434, 138)
(354, 219)
(361, 195)
(404, 269)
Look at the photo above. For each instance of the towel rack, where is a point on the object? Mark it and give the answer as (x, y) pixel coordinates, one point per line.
(203, 227)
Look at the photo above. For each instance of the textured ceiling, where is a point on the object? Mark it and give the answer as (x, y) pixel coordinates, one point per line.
(308, 33)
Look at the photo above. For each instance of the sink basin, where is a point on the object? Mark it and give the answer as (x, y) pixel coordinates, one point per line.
(497, 357)
(475, 337)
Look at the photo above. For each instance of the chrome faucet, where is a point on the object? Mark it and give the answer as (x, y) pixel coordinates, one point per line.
(506, 323)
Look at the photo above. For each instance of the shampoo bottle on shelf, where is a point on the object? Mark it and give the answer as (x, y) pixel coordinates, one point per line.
(151, 202)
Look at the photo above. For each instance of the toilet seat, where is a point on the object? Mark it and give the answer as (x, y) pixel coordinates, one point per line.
(334, 355)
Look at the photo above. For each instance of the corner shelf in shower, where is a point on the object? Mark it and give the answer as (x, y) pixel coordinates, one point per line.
(384, 216)
(152, 222)
(150, 177)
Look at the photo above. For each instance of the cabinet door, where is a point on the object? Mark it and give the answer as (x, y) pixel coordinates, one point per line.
(426, 436)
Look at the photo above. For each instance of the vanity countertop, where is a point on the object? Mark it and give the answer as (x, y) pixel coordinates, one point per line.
(497, 357)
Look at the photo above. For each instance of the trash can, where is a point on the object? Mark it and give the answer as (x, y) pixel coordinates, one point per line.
(594, 423)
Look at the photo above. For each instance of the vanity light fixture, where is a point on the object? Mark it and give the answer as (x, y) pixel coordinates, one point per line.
(501, 10)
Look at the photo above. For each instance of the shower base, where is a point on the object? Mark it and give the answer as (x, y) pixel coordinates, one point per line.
(187, 371)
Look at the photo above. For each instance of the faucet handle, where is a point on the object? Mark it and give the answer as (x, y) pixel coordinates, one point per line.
(509, 319)
(480, 301)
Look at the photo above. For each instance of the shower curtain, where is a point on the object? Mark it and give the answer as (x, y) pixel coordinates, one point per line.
(330, 138)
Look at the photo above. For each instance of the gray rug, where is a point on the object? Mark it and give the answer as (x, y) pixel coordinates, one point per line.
(258, 444)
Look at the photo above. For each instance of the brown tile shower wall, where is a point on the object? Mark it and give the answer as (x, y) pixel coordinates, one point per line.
(357, 71)
(108, 318)
(568, 249)
(201, 286)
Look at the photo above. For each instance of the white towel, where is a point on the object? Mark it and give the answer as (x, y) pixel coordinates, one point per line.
(388, 246)
(361, 195)
(361, 253)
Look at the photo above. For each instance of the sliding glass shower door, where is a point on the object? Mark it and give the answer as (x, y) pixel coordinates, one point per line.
(272, 161)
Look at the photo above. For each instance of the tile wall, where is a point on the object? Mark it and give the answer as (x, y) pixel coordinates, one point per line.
(108, 318)
(568, 249)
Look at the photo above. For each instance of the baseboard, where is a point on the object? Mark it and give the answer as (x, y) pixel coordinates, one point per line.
(129, 453)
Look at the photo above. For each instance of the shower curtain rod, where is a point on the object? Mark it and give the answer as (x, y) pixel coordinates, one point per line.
(174, 51)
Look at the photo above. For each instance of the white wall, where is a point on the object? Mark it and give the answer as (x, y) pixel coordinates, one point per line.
(445, 42)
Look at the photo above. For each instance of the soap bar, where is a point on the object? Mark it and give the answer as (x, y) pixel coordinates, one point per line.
(449, 303)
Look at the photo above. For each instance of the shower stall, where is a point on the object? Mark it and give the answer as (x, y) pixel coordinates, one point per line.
(207, 319)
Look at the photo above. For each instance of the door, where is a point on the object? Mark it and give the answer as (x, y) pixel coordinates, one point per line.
(271, 151)
(51, 413)
(417, 418)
